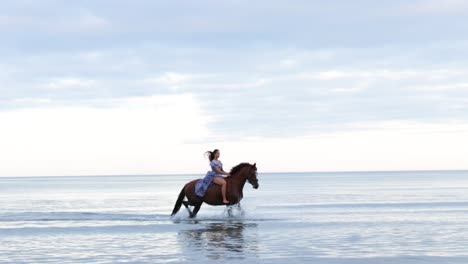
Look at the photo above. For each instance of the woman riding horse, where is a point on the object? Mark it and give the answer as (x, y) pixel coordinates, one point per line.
(215, 175)
(235, 185)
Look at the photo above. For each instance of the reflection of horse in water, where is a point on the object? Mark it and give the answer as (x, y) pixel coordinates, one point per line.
(235, 184)
(221, 240)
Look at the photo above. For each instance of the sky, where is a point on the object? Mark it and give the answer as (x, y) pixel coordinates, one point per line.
(146, 87)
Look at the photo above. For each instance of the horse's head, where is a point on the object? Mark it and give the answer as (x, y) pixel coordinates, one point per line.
(246, 171)
(252, 176)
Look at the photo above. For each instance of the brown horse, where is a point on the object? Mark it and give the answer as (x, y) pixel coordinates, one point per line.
(235, 184)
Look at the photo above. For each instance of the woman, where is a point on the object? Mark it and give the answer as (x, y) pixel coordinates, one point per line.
(215, 175)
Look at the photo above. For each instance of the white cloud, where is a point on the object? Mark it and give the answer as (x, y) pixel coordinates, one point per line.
(6, 20)
(288, 63)
(10, 22)
(88, 21)
(359, 87)
(158, 135)
(171, 80)
(33, 101)
(272, 80)
(388, 74)
(395, 145)
(436, 7)
(135, 135)
(70, 83)
(444, 87)
(81, 22)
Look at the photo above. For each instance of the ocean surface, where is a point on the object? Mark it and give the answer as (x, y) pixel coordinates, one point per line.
(356, 217)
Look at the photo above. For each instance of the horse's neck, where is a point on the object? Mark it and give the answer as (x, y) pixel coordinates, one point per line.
(239, 181)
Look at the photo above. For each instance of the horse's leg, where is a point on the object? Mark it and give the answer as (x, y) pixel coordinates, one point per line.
(229, 210)
(185, 203)
(239, 208)
(195, 210)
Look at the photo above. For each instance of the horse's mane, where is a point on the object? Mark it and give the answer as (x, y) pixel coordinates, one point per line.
(237, 168)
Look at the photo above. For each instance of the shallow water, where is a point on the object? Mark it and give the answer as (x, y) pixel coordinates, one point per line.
(384, 217)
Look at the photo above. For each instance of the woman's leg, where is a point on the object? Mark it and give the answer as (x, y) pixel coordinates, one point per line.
(222, 182)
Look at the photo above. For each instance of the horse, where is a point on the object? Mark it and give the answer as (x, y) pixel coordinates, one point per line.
(235, 184)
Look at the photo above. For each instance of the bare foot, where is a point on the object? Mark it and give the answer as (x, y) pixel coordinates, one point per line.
(225, 201)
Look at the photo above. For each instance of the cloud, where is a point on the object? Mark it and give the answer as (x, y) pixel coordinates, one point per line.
(84, 22)
(33, 101)
(271, 102)
(172, 80)
(9, 21)
(243, 71)
(81, 21)
(359, 87)
(443, 87)
(149, 135)
(88, 21)
(387, 74)
(288, 85)
(70, 83)
(436, 7)
(141, 134)
(362, 147)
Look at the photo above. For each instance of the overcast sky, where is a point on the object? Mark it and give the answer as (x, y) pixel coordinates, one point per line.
(146, 87)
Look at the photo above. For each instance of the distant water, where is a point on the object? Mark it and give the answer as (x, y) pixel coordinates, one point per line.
(360, 217)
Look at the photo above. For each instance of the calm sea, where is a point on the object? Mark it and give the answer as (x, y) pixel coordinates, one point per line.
(359, 217)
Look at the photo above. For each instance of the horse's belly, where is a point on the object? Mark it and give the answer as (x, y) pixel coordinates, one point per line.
(214, 197)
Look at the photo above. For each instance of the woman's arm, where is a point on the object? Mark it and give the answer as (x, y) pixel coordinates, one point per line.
(218, 170)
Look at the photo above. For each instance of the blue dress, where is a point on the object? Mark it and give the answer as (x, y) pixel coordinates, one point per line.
(203, 184)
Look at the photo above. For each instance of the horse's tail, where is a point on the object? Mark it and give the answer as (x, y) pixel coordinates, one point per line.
(178, 203)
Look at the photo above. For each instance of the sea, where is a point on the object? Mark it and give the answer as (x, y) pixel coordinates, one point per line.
(329, 217)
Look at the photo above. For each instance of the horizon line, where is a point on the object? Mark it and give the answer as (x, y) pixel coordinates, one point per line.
(266, 172)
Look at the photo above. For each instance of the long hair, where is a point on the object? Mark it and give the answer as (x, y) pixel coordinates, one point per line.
(211, 154)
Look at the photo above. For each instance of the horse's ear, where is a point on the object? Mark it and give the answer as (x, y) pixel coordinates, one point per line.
(255, 165)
